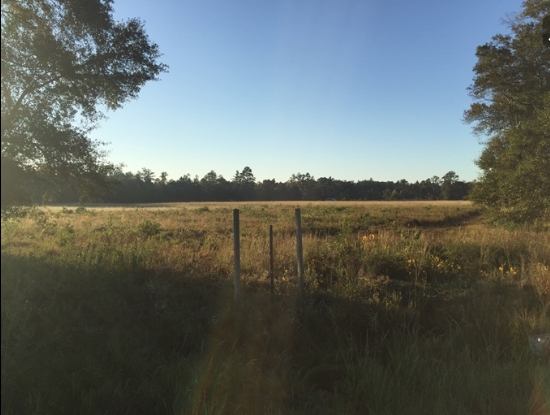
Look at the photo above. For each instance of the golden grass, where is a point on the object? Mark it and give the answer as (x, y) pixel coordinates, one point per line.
(237, 205)
(405, 301)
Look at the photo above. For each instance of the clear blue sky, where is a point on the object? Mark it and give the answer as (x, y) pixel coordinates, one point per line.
(348, 89)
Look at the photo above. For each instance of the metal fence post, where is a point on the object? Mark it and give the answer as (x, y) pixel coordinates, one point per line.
(271, 259)
(299, 249)
(237, 255)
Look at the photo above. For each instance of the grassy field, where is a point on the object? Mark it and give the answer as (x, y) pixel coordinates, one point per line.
(410, 308)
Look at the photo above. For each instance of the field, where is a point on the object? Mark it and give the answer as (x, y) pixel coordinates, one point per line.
(409, 308)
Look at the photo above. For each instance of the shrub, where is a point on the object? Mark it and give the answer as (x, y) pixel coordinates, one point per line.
(149, 228)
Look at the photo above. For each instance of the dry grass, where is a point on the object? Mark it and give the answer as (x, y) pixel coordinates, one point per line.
(236, 205)
(411, 307)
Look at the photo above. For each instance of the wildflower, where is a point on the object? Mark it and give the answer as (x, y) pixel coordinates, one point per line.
(364, 237)
(371, 236)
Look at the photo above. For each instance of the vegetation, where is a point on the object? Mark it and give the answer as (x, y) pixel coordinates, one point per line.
(61, 60)
(511, 91)
(144, 187)
(410, 308)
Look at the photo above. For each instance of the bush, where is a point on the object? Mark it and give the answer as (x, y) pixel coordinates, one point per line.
(149, 228)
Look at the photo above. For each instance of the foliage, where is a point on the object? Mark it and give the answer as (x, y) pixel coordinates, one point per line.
(143, 187)
(61, 62)
(511, 91)
(148, 228)
(244, 183)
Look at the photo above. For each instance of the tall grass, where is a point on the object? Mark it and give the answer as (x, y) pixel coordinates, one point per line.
(412, 309)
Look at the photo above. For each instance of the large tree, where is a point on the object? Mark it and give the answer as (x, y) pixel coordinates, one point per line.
(63, 62)
(511, 109)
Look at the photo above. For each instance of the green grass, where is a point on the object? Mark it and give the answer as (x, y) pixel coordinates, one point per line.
(410, 308)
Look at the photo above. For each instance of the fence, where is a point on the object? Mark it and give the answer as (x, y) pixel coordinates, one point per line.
(237, 254)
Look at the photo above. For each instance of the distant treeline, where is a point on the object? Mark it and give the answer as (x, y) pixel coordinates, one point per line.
(145, 187)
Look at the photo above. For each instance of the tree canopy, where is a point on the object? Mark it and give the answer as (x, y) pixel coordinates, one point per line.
(144, 187)
(511, 108)
(62, 62)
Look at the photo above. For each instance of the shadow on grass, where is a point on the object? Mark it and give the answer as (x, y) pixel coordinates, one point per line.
(95, 339)
(318, 227)
(107, 339)
(448, 221)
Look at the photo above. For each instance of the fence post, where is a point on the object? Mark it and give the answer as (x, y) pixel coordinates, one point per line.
(299, 250)
(271, 259)
(237, 255)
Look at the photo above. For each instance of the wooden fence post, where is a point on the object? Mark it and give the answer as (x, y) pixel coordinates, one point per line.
(237, 255)
(299, 250)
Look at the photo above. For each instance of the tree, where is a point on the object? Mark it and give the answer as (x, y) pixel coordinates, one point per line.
(268, 190)
(163, 178)
(305, 183)
(215, 186)
(244, 177)
(325, 188)
(511, 91)
(245, 183)
(147, 175)
(447, 185)
(63, 60)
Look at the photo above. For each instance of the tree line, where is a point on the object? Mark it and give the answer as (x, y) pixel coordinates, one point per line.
(145, 186)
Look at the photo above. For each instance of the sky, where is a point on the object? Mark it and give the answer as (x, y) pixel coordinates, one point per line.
(349, 89)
